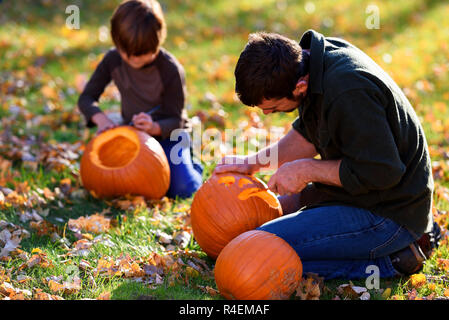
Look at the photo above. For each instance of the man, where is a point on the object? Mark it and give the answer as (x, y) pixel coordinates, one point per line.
(367, 200)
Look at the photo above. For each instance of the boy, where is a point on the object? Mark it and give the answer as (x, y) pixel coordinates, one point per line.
(147, 77)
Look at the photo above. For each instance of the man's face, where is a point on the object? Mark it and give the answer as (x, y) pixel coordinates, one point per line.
(138, 62)
(285, 104)
(278, 105)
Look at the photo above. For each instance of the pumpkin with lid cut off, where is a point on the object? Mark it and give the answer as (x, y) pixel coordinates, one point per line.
(123, 161)
(227, 205)
(257, 265)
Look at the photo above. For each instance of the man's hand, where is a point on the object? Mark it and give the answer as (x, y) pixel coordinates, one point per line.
(290, 178)
(240, 164)
(103, 122)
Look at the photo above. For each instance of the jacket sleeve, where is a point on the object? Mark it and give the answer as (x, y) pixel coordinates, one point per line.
(358, 124)
(88, 100)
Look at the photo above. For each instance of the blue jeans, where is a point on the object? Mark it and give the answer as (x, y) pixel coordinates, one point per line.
(185, 174)
(339, 241)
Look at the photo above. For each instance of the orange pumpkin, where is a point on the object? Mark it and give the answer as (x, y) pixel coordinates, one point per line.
(227, 205)
(258, 265)
(124, 160)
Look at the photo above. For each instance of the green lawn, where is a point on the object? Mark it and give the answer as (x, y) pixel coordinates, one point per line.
(42, 68)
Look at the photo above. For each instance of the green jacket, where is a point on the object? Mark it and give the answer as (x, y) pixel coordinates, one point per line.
(355, 112)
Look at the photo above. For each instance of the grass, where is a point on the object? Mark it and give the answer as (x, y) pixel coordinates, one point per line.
(41, 61)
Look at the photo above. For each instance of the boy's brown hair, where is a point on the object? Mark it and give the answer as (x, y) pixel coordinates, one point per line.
(138, 27)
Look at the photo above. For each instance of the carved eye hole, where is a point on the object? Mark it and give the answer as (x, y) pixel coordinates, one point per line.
(265, 195)
(227, 181)
(243, 182)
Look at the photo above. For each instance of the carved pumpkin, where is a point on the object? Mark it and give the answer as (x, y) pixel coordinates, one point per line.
(124, 161)
(257, 265)
(227, 205)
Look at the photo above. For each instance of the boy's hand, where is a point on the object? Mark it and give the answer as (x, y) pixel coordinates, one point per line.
(144, 122)
(103, 122)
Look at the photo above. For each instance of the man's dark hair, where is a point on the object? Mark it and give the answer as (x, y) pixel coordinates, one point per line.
(138, 27)
(269, 68)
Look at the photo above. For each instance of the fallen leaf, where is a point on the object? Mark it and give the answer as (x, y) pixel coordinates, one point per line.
(38, 294)
(95, 223)
(6, 289)
(209, 290)
(65, 287)
(386, 294)
(349, 291)
(55, 286)
(183, 239)
(446, 293)
(308, 289)
(104, 296)
(413, 295)
(443, 264)
(418, 280)
(365, 296)
(39, 259)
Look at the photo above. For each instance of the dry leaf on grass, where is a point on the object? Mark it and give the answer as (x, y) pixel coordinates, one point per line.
(8, 292)
(66, 287)
(38, 259)
(80, 248)
(104, 296)
(446, 293)
(123, 266)
(443, 264)
(95, 223)
(38, 294)
(10, 237)
(418, 280)
(6, 289)
(386, 294)
(43, 227)
(310, 288)
(349, 291)
(183, 239)
(209, 290)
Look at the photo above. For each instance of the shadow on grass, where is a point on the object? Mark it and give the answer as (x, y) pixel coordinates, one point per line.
(138, 291)
(132, 291)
